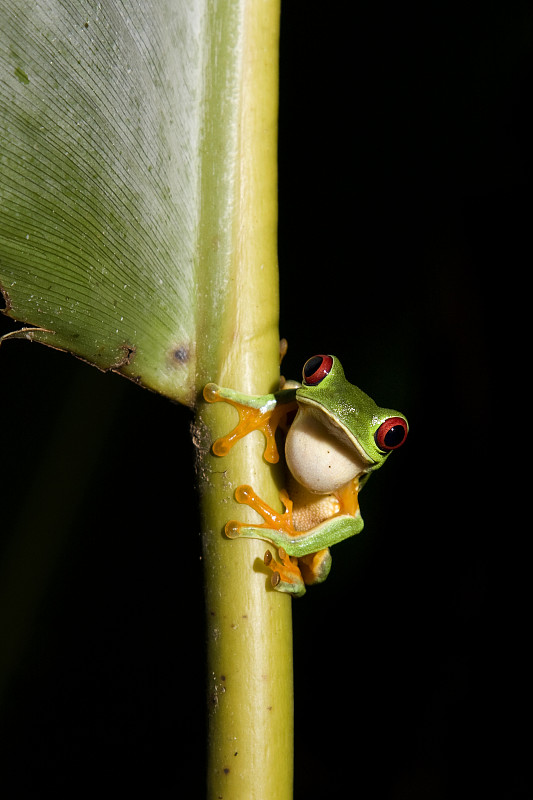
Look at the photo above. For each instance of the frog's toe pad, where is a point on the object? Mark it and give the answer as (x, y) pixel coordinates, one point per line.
(232, 529)
(241, 530)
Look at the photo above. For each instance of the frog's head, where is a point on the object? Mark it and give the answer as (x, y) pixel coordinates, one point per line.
(339, 433)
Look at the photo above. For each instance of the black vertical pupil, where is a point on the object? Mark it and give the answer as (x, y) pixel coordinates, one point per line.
(311, 366)
(394, 436)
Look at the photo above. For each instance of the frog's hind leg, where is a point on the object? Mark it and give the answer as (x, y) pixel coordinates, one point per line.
(315, 567)
(286, 575)
(292, 574)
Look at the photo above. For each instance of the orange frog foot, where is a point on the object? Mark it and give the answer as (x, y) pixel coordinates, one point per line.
(265, 417)
(286, 575)
(272, 520)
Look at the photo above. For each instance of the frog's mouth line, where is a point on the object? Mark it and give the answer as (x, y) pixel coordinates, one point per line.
(337, 427)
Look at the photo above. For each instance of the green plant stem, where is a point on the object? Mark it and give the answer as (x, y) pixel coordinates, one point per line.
(249, 645)
(249, 633)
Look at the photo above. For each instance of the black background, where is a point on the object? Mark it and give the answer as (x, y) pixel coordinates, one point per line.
(404, 246)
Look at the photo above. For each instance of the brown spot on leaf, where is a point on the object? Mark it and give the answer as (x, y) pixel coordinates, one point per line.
(128, 352)
(181, 354)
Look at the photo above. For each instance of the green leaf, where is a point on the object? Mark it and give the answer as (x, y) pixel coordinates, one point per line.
(100, 141)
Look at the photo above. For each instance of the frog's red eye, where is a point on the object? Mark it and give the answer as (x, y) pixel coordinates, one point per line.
(391, 434)
(316, 368)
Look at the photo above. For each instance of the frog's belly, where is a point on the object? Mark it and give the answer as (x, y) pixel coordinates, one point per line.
(310, 509)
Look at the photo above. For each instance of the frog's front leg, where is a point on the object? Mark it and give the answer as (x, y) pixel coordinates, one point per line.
(256, 412)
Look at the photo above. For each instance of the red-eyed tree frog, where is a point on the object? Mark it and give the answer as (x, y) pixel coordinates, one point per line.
(335, 437)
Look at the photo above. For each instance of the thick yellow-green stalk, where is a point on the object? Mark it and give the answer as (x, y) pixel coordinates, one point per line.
(248, 625)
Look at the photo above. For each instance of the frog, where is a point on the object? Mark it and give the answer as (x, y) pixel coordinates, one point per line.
(333, 437)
